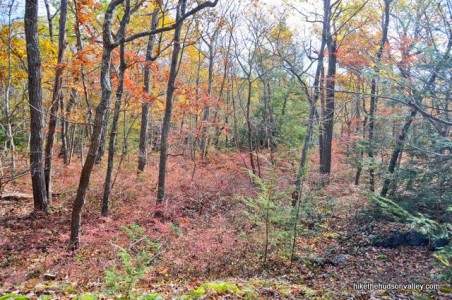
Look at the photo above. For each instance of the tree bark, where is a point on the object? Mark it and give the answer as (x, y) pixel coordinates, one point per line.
(327, 126)
(99, 122)
(313, 102)
(49, 19)
(304, 156)
(79, 46)
(103, 141)
(250, 128)
(397, 150)
(328, 122)
(169, 106)
(113, 132)
(55, 99)
(205, 117)
(35, 101)
(373, 97)
(9, 129)
(142, 152)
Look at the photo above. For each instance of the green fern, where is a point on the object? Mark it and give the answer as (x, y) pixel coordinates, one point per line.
(121, 278)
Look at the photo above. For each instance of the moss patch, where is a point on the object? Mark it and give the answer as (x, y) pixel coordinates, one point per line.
(208, 288)
(152, 296)
(13, 297)
(87, 297)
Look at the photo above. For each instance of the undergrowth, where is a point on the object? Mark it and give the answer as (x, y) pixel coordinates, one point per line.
(134, 263)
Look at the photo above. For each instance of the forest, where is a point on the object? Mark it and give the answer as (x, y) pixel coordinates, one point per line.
(218, 149)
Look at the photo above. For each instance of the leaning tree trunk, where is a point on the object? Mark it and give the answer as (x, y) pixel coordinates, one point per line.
(35, 100)
(304, 156)
(99, 121)
(55, 100)
(313, 102)
(142, 152)
(397, 150)
(169, 105)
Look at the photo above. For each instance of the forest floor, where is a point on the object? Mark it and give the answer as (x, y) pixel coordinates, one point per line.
(206, 236)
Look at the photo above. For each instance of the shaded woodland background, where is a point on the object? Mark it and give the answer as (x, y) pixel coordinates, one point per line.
(209, 149)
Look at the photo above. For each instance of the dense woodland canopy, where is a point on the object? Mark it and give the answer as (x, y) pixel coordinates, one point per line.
(291, 149)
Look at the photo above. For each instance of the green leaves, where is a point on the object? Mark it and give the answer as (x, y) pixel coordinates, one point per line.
(394, 212)
(121, 279)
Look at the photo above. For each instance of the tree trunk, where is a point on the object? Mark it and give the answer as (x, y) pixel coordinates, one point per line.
(397, 151)
(313, 102)
(35, 100)
(234, 112)
(205, 117)
(359, 168)
(103, 140)
(328, 122)
(9, 130)
(322, 88)
(65, 126)
(55, 99)
(142, 152)
(113, 132)
(82, 70)
(169, 105)
(49, 19)
(99, 122)
(319, 76)
(304, 156)
(249, 127)
(373, 97)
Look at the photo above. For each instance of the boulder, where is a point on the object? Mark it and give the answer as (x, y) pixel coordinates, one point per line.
(409, 238)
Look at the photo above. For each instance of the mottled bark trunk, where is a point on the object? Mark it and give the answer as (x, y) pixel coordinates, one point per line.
(328, 122)
(102, 142)
(35, 101)
(99, 123)
(113, 133)
(169, 105)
